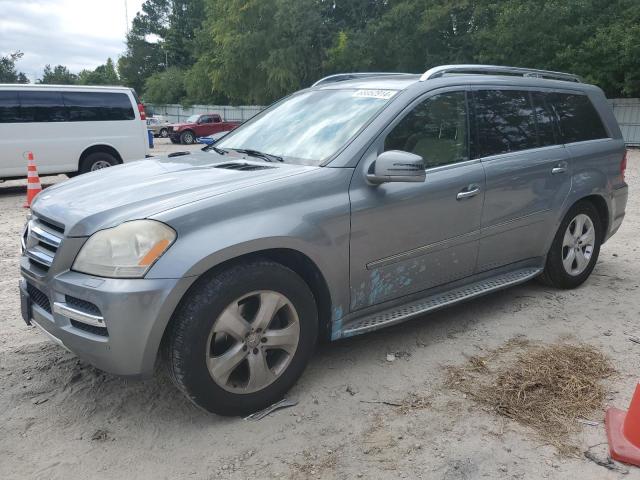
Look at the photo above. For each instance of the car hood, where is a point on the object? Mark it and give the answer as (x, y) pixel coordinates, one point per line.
(140, 189)
(178, 126)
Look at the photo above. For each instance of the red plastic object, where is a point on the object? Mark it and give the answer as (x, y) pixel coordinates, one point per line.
(623, 431)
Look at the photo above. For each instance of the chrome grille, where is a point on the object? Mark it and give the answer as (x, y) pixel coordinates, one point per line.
(41, 241)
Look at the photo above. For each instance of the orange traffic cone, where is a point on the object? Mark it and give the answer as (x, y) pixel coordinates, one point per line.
(623, 431)
(33, 181)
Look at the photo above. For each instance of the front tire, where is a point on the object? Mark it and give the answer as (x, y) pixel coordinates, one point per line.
(164, 133)
(187, 137)
(97, 161)
(575, 248)
(242, 337)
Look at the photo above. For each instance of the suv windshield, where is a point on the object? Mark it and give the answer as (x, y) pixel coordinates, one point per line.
(309, 127)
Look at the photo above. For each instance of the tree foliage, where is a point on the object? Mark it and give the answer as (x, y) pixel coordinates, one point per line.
(59, 75)
(165, 87)
(255, 51)
(8, 72)
(103, 75)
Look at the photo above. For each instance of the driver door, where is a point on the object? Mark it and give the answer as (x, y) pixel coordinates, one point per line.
(408, 237)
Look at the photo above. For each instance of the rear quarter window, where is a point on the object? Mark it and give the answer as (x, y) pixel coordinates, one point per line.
(579, 120)
(98, 106)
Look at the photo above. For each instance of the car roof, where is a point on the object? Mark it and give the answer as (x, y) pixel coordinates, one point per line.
(406, 81)
(453, 75)
(37, 86)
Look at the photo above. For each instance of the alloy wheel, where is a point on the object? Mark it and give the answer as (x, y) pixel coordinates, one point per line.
(578, 244)
(253, 341)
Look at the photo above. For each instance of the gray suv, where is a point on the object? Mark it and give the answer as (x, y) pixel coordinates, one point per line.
(358, 203)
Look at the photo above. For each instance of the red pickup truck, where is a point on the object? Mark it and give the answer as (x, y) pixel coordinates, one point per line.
(199, 125)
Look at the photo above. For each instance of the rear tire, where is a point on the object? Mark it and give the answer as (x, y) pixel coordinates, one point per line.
(164, 133)
(187, 137)
(575, 248)
(217, 353)
(97, 161)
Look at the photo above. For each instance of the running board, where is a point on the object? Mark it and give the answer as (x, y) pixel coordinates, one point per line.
(440, 300)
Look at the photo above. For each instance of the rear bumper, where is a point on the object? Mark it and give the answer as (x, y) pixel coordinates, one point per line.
(619, 198)
(135, 312)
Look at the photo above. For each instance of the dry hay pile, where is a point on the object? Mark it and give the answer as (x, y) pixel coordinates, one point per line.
(548, 388)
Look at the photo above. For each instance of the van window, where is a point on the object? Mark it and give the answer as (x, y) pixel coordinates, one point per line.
(435, 129)
(547, 134)
(9, 107)
(505, 121)
(98, 106)
(579, 120)
(42, 106)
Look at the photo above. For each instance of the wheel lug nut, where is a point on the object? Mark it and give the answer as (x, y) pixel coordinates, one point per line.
(263, 339)
(244, 348)
(255, 350)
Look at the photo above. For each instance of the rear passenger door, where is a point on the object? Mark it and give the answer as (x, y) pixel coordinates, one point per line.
(527, 173)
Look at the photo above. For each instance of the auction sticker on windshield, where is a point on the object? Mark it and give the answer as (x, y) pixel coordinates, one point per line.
(371, 93)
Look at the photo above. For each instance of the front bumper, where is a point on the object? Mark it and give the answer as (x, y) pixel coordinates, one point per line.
(135, 314)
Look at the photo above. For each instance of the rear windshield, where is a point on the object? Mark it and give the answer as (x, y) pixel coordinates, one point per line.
(309, 127)
(30, 106)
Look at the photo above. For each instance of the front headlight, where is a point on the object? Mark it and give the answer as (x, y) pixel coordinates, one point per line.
(126, 251)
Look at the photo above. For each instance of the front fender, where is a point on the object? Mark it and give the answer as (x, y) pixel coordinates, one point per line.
(306, 213)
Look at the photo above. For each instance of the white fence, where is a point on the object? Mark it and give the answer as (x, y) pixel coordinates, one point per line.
(626, 110)
(177, 113)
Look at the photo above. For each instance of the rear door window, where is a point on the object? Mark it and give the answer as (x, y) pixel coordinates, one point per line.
(9, 107)
(98, 106)
(506, 121)
(42, 106)
(547, 128)
(579, 120)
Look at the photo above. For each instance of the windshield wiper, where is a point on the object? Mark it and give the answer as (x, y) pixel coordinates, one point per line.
(218, 150)
(256, 153)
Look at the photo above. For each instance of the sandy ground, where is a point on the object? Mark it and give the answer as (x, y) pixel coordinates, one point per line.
(60, 418)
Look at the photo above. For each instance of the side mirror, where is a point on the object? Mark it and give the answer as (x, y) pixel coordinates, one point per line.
(397, 166)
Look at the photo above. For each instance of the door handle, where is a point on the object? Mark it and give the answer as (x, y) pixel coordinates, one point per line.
(470, 191)
(561, 168)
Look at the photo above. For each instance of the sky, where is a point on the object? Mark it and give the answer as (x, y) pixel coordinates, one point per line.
(77, 33)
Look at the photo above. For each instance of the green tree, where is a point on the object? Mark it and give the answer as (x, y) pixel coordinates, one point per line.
(162, 35)
(8, 72)
(103, 75)
(259, 50)
(145, 53)
(165, 87)
(179, 41)
(59, 75)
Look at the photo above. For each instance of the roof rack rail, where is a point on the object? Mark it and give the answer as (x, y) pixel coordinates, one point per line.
(442, 70)
(341, 77)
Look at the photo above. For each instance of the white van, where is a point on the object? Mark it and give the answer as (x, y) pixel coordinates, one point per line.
(69, 129)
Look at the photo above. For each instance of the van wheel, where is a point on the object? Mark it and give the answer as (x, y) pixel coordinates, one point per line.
(242, 337)
(575, 248)
(97, 161)
(187, 137)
